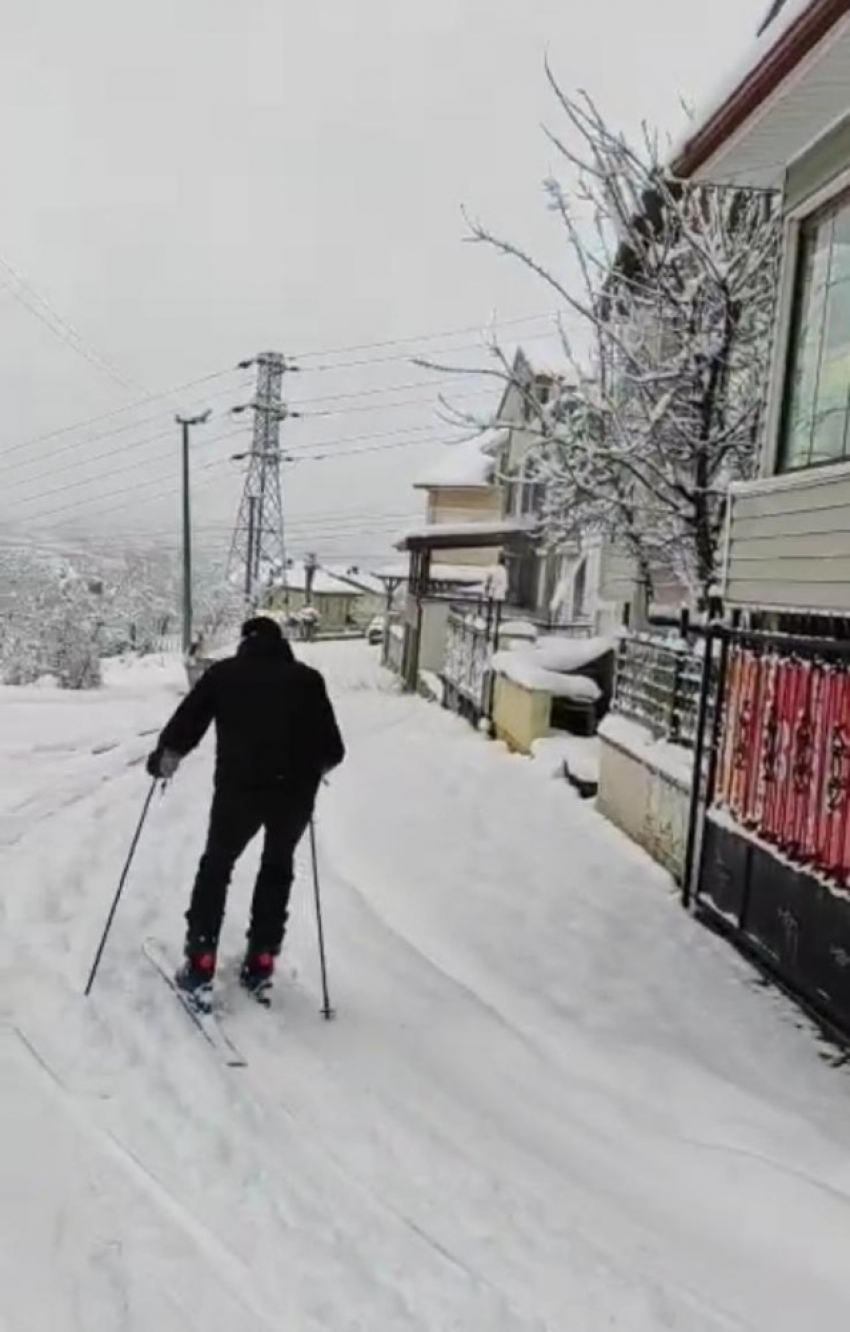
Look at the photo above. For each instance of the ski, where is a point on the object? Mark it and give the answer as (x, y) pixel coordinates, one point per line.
(207, 1023)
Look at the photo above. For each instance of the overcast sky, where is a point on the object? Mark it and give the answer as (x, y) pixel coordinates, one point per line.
(187, 182)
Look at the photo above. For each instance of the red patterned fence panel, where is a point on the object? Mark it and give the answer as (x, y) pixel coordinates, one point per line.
(784, 764)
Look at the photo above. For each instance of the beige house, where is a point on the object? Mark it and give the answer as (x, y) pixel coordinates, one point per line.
(784, 124)
(461, 488)
(336, 601)
(373, 597)
(583, 584)
(463, 506)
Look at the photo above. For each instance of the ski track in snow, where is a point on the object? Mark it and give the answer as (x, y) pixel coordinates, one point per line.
(550, 1102)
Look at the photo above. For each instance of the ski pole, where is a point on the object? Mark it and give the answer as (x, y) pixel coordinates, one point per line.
(327, 1011)
(117, 898)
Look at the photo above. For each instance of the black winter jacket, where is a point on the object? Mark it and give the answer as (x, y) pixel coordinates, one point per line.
(274, 721)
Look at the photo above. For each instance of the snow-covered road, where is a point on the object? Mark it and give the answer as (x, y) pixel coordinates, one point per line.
(550, 1101)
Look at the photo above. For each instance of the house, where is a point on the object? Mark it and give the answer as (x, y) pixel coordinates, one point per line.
(462, 488)
(773, 861)
(372, 588)
(584, 585)
(533, 575)
(454, 555)
(433, 586)
(307, 584)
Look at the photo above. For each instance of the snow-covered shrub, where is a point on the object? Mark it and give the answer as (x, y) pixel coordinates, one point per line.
(53, 631)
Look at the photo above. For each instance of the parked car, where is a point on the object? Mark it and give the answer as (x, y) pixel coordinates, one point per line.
(375, 632)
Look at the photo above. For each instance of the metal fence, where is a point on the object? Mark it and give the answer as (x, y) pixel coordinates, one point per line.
(215, 642)
(571, 629)
(658, 684)
(393, 647)
(470, 639)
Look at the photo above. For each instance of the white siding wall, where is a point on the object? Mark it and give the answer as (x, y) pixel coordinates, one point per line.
(789, 535)
(789, 546)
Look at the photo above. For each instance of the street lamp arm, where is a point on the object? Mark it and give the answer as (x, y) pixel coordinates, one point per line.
(194, 420)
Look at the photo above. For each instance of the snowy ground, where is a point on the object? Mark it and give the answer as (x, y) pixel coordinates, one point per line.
(549, 1102)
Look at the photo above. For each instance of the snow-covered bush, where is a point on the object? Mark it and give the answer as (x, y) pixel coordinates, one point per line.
(54, 631)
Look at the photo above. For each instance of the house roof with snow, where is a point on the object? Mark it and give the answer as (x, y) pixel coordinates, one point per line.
(324, 583)
(363, 580)
(440, 573)
(464, 536)
(467, 465)
(764, 114)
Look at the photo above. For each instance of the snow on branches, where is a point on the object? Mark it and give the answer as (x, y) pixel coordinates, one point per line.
(51, 627)
(670, 296)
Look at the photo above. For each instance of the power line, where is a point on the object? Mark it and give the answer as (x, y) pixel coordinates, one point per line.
(329, 520)
(303, 458)
(375, 392)
(127, 426)
(420, 337)
(302, 453)
(387, 406)
(117, 411)
(171, 391)
(131, 467)
(438, 353)
(116, 494)
(48, 315)
(382, 448)
(91, 439)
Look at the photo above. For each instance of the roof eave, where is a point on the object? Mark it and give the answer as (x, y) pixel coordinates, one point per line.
(792, 44)
(454, 485)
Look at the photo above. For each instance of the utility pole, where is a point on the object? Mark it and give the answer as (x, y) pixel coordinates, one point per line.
(260, 540)
(311, 563)
(249, 562)
(186, 423)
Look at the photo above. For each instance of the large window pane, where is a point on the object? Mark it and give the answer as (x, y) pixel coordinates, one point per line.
(817, 404)
(828, 442)
(840, 270)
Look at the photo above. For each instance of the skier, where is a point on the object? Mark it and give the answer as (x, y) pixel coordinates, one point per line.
(277, 737)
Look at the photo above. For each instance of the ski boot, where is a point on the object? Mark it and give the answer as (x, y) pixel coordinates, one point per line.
(256, 974)
(195, 976)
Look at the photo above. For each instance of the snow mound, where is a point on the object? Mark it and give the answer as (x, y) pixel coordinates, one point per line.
(577, 753)
(571, 654)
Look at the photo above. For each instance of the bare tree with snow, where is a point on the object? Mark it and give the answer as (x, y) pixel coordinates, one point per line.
(671, 318)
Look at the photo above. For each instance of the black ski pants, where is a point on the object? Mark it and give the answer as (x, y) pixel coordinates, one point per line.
(237, 815)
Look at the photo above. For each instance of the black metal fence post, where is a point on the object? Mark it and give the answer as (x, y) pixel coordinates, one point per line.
(703, 797)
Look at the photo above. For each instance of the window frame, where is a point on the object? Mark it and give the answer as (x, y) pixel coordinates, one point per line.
(787, 308)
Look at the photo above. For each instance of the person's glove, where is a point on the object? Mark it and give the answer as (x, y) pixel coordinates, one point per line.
(162, 764)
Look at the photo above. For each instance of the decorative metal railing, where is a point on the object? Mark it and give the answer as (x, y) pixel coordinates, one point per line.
(784, 761)
(470, 638)
(657, 684)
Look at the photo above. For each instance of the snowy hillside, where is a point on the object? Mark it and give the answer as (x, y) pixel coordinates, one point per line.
(550, 1101)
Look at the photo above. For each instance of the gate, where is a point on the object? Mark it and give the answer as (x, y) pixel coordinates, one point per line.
(471, 638)
(769, 839)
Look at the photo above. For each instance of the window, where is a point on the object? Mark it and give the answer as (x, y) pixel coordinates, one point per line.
(816, 422)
